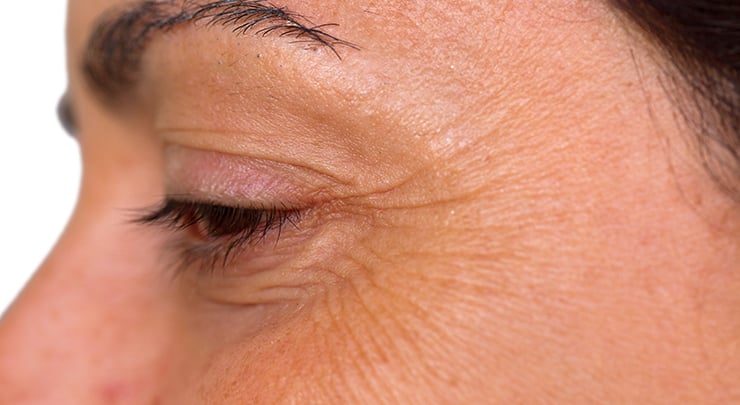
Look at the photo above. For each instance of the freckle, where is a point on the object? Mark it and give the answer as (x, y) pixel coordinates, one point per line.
(698, 200)
(113, 392)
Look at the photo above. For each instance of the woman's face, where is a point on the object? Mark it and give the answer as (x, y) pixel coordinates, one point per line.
(465, 202)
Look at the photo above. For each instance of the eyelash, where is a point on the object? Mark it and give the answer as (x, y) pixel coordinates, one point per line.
(219, 232)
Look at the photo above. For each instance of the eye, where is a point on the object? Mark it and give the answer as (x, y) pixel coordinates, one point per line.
(213, 234)
(66, 115)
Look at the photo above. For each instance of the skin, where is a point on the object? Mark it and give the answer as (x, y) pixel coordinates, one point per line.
(499, 207)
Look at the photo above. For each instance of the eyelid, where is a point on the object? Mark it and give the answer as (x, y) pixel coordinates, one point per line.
(215, 234)
(240, 180)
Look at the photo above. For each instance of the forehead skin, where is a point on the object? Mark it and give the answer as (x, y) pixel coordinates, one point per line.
(511, 226)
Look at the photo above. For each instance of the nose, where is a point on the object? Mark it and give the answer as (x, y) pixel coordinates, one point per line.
(89, 327)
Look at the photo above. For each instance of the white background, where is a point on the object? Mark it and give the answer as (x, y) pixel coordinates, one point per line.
(39, 163)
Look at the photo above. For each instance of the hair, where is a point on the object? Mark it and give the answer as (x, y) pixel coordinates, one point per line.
(701, 39)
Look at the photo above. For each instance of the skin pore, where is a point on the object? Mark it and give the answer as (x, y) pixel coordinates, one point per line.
(494, 203)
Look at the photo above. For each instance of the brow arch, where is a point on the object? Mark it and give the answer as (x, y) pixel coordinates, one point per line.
(112, 58)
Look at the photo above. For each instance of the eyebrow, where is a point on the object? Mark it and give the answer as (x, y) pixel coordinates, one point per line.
(112, 58)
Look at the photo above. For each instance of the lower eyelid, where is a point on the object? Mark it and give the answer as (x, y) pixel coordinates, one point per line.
(257, 288)
(207, 238)
(268, 273)
(272, 251)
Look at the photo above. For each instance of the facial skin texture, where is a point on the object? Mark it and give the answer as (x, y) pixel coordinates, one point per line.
(499, 207)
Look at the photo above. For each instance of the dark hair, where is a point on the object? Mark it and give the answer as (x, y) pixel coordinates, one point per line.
(701, 39)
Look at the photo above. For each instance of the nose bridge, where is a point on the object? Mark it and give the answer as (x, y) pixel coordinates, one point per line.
(37, 342)
(85, 329)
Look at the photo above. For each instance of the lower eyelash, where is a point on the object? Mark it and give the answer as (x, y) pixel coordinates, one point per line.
(217, 231)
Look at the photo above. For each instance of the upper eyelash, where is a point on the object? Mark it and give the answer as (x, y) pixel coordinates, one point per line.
(225, 228)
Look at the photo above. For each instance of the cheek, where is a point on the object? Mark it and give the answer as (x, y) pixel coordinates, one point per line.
(390, 322)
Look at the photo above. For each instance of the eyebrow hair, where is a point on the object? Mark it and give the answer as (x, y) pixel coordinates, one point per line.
(112, 59)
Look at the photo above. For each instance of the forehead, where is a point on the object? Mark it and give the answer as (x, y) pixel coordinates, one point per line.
(421, 62)
(394, 35)
(405, 25)
(431, 32)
